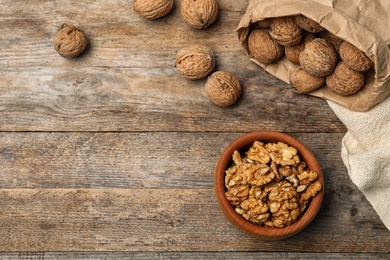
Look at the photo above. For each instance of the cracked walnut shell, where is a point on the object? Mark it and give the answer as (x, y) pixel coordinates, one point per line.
(195, 62)
(318, 58)
(263, 47)
(223, 89)
(286, 31)
(345, 81)
(199, 13)
(153, 9)
(354, 58)
(70, 41)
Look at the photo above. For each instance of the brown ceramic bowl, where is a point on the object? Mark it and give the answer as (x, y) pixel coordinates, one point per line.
(242, 144)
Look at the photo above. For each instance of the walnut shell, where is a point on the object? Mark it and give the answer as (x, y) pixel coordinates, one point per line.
(199, 13)
(195, 62)
(70, 41)
(153, 9)
(332, 39)
(345, 81)
(318, 58)
(308, 24)
(264, 24)
(303, 82)
(223, 89)
(354, 58)
(263, 47)
(286, 31)
(292, 52)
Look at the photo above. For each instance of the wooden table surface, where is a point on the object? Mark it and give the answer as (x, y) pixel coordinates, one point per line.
(112, 155)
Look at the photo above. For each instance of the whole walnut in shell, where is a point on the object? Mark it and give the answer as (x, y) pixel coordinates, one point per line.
(195, 62)
(292, 52)
(153, 9)
(286, 31)
(354, 58)
(308, 24)
(303, 82)
(223, 89)
(332, 39)
(318, 58)
(70, 41)
(263, 47)
(264, 24)
(199, 13)
(345, 81)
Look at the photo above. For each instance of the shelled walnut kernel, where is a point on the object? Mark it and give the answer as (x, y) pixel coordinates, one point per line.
(270, 185)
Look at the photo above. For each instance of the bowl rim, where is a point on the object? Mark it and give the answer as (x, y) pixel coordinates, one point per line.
(219, 184)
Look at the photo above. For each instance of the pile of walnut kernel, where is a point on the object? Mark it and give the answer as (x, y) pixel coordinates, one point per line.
(270, 186)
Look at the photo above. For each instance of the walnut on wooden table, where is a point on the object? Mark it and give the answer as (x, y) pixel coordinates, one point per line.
(199, 14)
(195, 61)
(70, 41)
(153, 9)
(223, 89)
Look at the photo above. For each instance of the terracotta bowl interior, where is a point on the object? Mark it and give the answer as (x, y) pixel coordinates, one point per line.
(242, 144)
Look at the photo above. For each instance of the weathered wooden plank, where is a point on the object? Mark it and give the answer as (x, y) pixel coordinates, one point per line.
(155, 171)
(189, 255)
(131, 160)
(99, 100)
(118, 35)
(162, 220)
(160, 161)
(126, 81)
(144, 186)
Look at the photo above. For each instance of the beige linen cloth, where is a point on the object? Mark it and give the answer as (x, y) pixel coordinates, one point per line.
(366, 153)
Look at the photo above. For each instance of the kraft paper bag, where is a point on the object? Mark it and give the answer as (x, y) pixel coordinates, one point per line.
(365, 24)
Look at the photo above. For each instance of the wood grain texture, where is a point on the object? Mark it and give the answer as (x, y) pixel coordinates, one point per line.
(131, 160)
(98, 101)
(112, 155)
(154, 192)
(126, 81)
(189, 255)
(161, 220)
